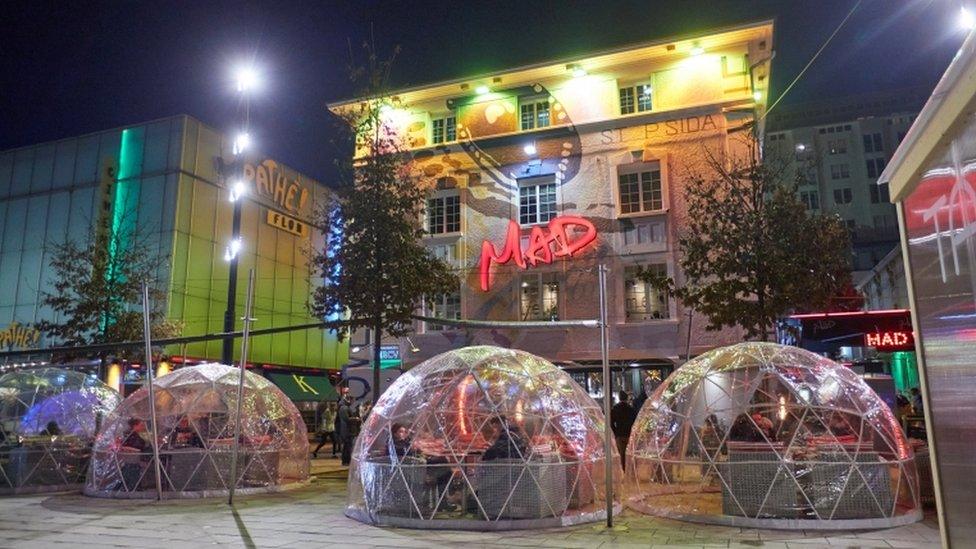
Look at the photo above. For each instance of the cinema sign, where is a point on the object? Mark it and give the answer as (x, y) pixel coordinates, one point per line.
(269, 182)
(564, 236)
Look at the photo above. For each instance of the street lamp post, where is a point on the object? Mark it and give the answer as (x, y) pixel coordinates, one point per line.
(246, 79)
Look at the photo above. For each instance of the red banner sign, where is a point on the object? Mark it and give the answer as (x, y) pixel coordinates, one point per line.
(543, 246)
(890, 341)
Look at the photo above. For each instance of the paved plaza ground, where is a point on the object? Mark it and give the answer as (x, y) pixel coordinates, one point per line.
(312, 517)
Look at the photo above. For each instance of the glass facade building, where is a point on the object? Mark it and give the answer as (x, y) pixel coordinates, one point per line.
(169, 178)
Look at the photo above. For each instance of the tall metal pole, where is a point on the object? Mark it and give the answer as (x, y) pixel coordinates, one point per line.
(239, 147)
(153, 433)
(607, 390)
(240, 384)
(227, 354)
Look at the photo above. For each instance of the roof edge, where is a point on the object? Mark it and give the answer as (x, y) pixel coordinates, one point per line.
(561, 61)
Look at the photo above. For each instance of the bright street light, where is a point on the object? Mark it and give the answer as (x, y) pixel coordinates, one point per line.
(233, 249)
(966, 19)
(529, 149)
(247, 78)
(242, 142)
(237, 190)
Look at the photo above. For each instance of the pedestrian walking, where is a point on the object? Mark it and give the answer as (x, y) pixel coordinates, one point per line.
(622, 418)
(326, 429)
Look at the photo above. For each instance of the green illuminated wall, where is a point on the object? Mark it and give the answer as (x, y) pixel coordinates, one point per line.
(904, 370)
(160, 177)
(199, 273)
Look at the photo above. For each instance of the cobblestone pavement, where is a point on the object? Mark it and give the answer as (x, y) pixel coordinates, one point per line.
(312, 517)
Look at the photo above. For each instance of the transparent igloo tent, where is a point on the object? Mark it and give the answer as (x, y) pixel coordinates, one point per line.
(480, 438)
(765, 435)
(196, 411)
(48, 421)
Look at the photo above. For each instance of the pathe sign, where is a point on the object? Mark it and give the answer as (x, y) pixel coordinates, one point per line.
(893, 340)
(18, 336)
(564, 236)
(289, 195)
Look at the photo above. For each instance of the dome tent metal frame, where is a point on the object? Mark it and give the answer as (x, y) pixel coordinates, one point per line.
(549, 472)
(33, 459)
(196, 412)
(766, 435)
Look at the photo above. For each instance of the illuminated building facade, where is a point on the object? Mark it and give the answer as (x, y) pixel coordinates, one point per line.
(169, 179)
(545, 172)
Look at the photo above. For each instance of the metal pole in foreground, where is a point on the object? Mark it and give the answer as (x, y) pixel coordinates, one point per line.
(152, 395)
(607, 390)
(240, 385)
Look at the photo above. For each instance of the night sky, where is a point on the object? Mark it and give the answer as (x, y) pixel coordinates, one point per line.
(71, 67)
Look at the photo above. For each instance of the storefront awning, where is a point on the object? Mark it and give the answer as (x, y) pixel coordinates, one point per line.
(305, 388)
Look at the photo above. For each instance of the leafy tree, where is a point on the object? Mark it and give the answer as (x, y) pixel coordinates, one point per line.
(98, 288)
(374, 267)
(750, 251)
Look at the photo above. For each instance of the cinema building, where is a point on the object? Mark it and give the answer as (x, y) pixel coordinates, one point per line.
(169, 179)
(545, 172)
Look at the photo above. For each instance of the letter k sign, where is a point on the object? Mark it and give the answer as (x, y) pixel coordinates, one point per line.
(305, 387)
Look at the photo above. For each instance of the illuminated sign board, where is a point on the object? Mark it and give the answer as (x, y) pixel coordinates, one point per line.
(285, 223)
(17, 336)
(390, 356)
(289, 195)
(896, 340)
(563, 237)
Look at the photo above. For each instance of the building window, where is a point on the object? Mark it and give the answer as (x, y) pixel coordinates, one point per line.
(883, 222)
(636, 98)
(839, 171)
(837, 146)
(537, 200)
(875, 167)
(843, 196)
(642, 300)
(539, 297)
(872, 143)
(641, 192)
(444, 214)
(535, 113)
(444, 130)
(446, 306)
(810, 199)
(879, 193)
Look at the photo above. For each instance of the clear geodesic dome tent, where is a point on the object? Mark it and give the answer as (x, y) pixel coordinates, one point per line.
(196, 411)
(480, 438)
(48, 420)
(760, 434)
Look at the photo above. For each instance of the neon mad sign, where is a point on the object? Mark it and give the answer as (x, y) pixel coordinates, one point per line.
(895, 340)
(544, 245)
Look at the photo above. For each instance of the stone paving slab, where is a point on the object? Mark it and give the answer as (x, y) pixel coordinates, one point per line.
(312, 517)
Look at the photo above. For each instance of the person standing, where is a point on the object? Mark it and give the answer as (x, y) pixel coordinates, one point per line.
(917, 401)
(348, 428)
(622, 418)
(326, 429)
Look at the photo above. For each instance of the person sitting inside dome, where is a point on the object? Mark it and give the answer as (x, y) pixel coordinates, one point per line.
(508, 441)
(400, 441)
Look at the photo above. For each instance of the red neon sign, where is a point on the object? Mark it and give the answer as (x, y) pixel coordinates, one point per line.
(540, 247)
(897, 340)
